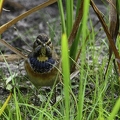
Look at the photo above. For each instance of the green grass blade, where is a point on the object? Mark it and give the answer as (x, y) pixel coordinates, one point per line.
(116, 108)
(5, 104)
(74, 47)
(83, 74)
(66, 74)
(62, 16)
(18, 113)
(78, 6)
(69, 16)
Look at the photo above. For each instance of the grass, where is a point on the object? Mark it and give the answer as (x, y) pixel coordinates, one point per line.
(66, 74)
(87, 96)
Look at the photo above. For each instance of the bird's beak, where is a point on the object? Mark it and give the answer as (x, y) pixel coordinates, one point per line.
(44, 45)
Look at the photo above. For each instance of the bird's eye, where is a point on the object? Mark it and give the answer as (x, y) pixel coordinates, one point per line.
(38, 41)
(48, 43)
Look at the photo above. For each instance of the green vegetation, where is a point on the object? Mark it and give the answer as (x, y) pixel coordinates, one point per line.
(85, 93)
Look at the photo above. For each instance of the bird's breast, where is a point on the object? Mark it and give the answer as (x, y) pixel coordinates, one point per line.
(41, 73)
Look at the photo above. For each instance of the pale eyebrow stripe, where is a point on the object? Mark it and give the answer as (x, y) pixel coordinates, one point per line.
(49, 41)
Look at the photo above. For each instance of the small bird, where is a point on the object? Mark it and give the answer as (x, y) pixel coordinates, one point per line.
(41, 64)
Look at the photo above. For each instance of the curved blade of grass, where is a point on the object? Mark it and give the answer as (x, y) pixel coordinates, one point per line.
(115, 110)
(5, 104)
(9, 57)
(12, 22)
(114, 26)
(66, 74)
(111, 41)
(113, 19)
(12, 48)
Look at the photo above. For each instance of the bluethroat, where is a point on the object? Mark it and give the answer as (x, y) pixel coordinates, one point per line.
(41, 64)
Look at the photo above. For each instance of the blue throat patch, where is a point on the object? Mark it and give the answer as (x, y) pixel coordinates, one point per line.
(42, 66)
